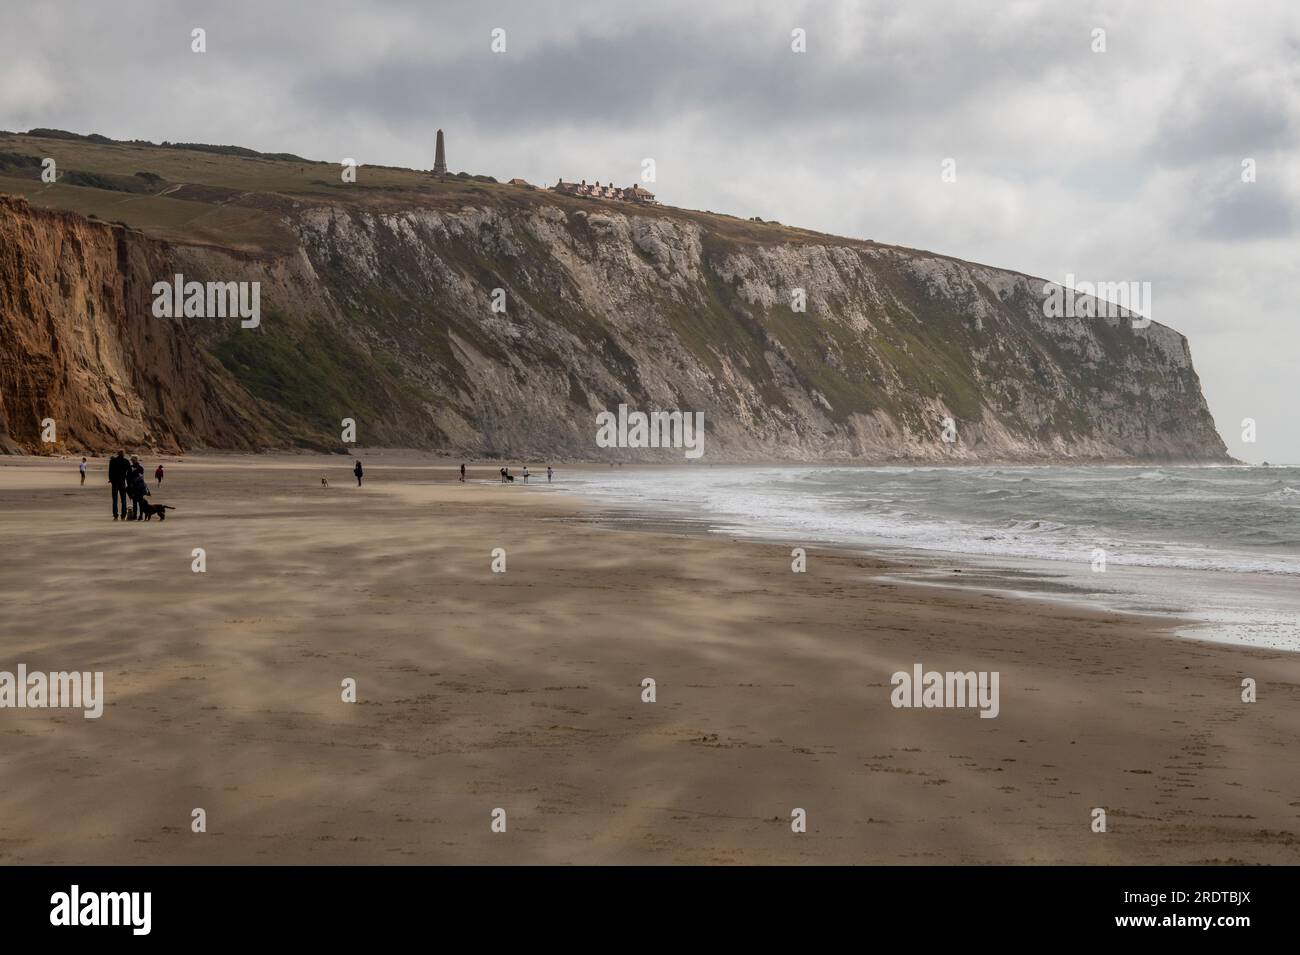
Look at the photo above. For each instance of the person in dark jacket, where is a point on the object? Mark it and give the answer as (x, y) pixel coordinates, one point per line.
(358, 472)
(119, 471)
(137, 488)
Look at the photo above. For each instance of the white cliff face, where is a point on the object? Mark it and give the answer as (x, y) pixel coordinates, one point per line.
(387, 316)
(660, 312)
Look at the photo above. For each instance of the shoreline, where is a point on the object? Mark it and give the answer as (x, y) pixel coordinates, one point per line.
(523, 691)
(671, 460)
(1218, 598)
(1008, 574)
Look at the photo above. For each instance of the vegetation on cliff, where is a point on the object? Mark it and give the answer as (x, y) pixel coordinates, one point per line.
(378, 306)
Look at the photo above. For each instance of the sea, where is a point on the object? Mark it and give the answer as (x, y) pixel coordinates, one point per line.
(1218, 546)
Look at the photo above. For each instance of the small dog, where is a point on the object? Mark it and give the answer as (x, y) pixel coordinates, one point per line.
(151, 509)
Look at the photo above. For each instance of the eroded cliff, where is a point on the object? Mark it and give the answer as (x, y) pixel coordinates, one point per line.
(384, 314)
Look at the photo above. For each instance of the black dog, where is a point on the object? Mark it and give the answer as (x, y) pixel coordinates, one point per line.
(151, 509)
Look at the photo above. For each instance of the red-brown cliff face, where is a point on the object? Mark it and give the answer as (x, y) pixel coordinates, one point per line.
(79, 345)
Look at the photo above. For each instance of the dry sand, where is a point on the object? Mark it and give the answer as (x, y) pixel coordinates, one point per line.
(522, 691)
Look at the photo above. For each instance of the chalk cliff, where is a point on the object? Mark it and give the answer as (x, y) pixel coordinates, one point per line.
(382, 311)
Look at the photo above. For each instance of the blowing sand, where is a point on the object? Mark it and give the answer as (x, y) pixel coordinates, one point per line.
(522, 691)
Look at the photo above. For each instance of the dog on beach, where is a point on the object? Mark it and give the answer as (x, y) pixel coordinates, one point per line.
(151, 509)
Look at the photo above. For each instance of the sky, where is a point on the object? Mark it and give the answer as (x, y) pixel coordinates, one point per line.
(1122, 164)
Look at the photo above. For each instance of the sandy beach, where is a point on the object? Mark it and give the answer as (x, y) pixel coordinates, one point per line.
(522, 691)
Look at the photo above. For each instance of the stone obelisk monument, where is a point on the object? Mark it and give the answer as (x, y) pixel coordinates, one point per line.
(440, 158)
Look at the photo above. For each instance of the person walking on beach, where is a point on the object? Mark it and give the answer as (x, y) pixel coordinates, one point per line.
(525, 474)
(462, 473)
(137, 488)
(82, 468)
(550, 472)
(119, 470)
(358, 472)
(503, 475)
(158, 475)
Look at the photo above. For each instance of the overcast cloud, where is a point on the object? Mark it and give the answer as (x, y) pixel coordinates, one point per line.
(1115, 166)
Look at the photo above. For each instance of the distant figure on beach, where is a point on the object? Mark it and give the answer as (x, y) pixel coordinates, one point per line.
(462, 472)
(358, 472)
(83, 472)
(550, 472)
(137, 488)
(525, 474)
(158, 475)
(119, 471)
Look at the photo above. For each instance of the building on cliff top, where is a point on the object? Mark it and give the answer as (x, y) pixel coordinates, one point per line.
(597, 191)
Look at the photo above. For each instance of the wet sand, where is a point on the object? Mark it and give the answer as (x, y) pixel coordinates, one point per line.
(522, 691)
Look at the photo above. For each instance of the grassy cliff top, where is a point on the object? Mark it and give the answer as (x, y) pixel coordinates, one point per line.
(237, 198)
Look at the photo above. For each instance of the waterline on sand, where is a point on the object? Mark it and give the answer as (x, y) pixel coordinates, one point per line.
(1217, 546)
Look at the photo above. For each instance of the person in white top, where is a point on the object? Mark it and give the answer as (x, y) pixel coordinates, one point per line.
(525, 474)
(83, 471)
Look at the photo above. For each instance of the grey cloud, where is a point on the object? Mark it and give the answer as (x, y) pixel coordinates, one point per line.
(1252, 211)
(1223, 118)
